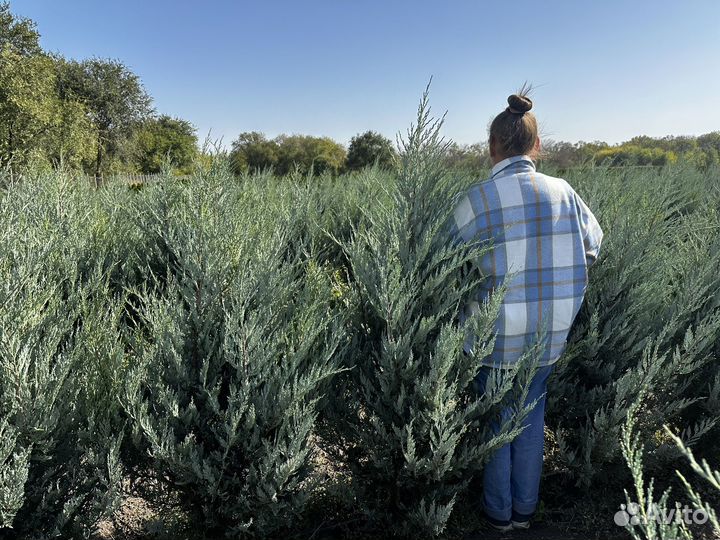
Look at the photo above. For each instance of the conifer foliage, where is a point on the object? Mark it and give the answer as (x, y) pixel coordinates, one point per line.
(664, 518)
(232, 356)
(59, 353)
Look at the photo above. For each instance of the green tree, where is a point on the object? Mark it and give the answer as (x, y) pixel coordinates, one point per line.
(18, 33)
(35, 122)
(29, 107)
(304, 153)
(709, 141)
(327, 155)
(71, 142)
(630, 154)
(165, 139)
(473, 159)
(252, 151)
(368, 149)
(115, 99)
(560, 153)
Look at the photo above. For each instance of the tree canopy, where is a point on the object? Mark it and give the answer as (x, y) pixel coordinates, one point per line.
(115, 99)
(370, 148)
(252, 151)
(92, 115)
(18, 33)
(165, 141)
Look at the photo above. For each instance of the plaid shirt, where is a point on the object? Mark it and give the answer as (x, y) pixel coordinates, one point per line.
(544, 239)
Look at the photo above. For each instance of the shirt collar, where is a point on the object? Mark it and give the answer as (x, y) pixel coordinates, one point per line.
(507, 162)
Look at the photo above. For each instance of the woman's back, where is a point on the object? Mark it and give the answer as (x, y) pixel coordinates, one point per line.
(544, 239)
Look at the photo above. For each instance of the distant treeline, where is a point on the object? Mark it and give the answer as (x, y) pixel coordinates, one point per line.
(96, 117)
(701, 151)
(253, 151)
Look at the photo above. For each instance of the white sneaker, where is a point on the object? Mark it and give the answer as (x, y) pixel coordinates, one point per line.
(502, 528)
(520, 524)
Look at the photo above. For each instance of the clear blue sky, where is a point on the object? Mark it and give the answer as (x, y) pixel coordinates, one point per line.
(606, 70)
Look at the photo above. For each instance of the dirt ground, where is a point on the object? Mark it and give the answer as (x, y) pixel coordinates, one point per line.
(137, 519)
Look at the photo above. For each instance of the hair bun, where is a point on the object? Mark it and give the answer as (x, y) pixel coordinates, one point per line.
(519, 104)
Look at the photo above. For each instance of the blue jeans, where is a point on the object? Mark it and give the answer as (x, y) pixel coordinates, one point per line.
(511, 479)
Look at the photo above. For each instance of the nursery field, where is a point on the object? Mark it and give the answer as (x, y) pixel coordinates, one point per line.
(276, 357)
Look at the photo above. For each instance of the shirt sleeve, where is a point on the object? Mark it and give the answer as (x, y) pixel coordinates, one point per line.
(451, 225)
(591, 232)
(453, 232)
(455, 237)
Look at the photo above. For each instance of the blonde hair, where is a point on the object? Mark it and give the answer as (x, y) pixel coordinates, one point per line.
(515, 131)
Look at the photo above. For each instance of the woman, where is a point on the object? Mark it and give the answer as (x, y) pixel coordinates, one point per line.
(545, 238)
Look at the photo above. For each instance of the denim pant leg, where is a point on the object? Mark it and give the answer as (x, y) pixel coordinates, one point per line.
(497, 492)
(526, 451)
(511, 478)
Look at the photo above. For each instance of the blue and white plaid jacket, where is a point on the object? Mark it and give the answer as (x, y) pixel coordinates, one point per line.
(544, 239)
